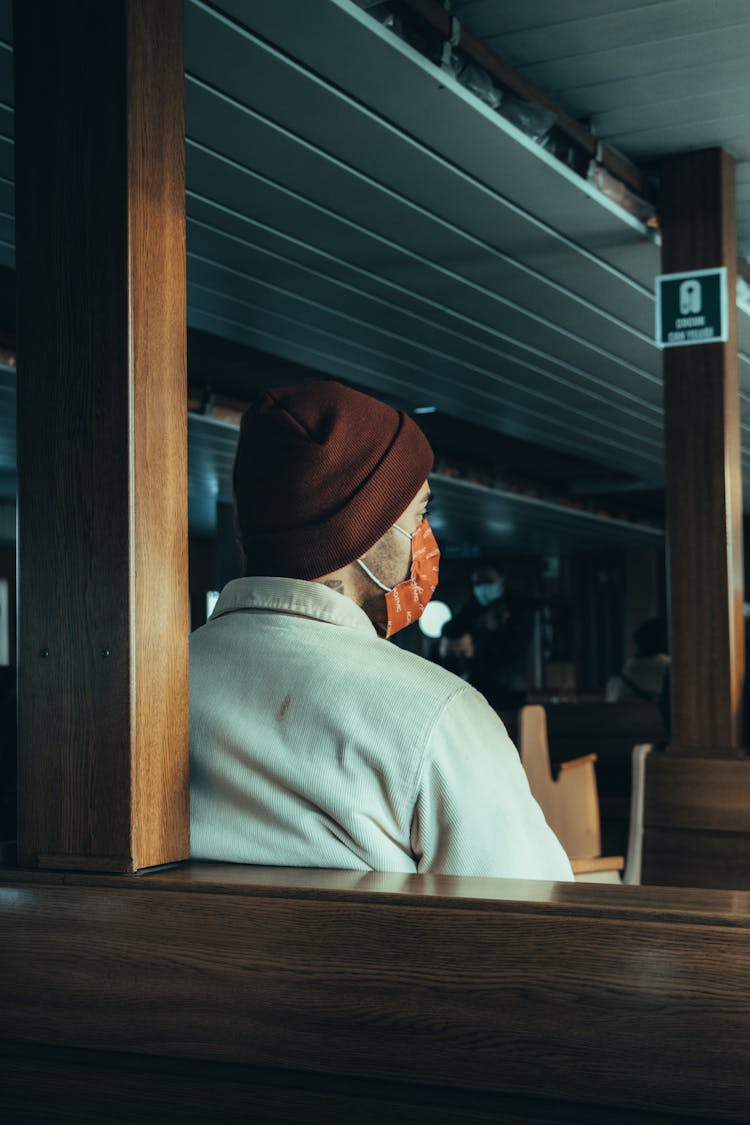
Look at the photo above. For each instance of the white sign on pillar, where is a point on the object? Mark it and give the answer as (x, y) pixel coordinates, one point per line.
(692, 308)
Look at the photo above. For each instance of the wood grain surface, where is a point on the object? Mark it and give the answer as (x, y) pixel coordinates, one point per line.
(547, 995)
(697, 821)
(90, 1087)
(103, 625)
(697, 793)
(703, 482)
(654, 904)
(681, 857)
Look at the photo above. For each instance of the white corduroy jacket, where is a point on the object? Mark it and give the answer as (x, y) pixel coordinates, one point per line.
(314, 743)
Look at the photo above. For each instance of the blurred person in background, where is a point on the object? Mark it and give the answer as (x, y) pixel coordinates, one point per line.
(501, 627)
(643, 675)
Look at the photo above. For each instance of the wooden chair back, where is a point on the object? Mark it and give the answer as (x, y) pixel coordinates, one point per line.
(570, 803)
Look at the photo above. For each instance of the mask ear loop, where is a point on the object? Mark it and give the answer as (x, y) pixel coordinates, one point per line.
(370, 575)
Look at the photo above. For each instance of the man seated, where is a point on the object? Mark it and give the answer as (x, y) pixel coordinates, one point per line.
(314, 741)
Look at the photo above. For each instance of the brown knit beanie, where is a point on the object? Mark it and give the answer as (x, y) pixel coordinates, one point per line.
(322, 471)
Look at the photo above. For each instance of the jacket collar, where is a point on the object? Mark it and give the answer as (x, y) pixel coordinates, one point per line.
(292, 595)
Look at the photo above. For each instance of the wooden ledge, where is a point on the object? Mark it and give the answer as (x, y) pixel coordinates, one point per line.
(658, 904)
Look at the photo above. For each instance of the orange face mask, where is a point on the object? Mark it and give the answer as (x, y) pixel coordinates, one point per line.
(405, 603)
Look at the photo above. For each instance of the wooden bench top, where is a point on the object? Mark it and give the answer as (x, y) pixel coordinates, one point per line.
(718, 907)
(540, 1001)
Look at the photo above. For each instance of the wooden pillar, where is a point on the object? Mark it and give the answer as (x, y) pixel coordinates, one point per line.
(102, 435)
(697, 827)
(704, 484)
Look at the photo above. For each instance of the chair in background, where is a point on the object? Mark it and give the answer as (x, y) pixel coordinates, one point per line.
(570, 803)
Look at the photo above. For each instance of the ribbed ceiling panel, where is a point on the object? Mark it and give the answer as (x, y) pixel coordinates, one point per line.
(652, 78)
(419, 279)
(352, 208)
(469, 518)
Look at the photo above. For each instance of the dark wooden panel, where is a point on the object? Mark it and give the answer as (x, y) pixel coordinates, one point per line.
(551, 999)
(697, 822)
(633, 721)
(101, 433)
(42, 1084)
(678, 858)
(72, 434)
(704, 484)
(711, 794)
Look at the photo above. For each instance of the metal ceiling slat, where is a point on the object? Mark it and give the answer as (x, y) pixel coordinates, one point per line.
(335, 38)
(656, 376)
(390, 306)
(587, 67)
(474, 508)
(329, 119)
(234, 267)
(685, 85)
(232, 186)
(481, 150)
(708, 105)
(334, 358)
(694, 133)
(617, 30)
(462, 292)
(496, 519)
(645, 92)
(449, 295)
(426, 365)
(484, 17)
(376, 371)
(418, 239)
(559, 396)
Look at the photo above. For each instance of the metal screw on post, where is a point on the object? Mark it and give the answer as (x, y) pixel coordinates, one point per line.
(44, 652)
(105, 652)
